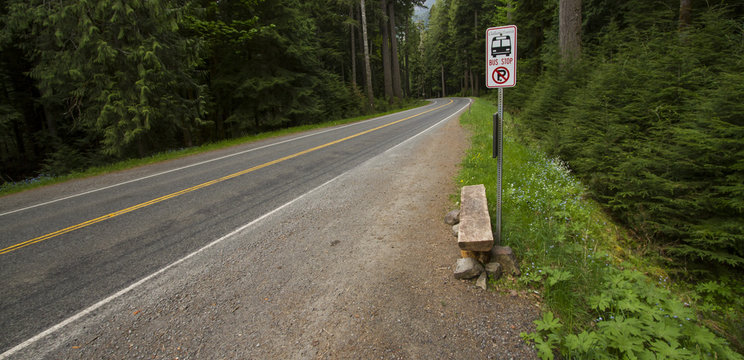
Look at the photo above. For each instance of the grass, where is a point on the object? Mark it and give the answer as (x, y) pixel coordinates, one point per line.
(600, 300)
(44, 180)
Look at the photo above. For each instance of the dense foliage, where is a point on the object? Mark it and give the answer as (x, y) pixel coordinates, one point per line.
(650, 116)
(84, 83)
(601, 301)
(655, 126)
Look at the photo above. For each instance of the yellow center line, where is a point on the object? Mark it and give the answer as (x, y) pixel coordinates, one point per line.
(200, 186)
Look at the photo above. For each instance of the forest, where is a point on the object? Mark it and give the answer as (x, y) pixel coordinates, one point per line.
(642, 102)
(86, 83)
(641, 99)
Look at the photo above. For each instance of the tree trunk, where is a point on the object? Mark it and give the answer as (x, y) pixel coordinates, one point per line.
(465, 76)
(51, 122)
(187, 138)
(477, 83)
(474, 79)
(20, 144)
(386, 66)
(472, 84)
(475, 26)
(141, 147)
(407, 88)
(569, 15)
(685, 14)
(444, 93)
(220, 124)
(367, 68)
(397, 90)
(353, 47)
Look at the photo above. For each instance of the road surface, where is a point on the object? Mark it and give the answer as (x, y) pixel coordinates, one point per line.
(47, 281)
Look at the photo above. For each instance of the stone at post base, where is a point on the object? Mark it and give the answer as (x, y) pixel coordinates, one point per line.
(493, 269)
(456, 230)
(505, 256)
(483, 256)
(452, 217)
(482, 281)
(467, 268)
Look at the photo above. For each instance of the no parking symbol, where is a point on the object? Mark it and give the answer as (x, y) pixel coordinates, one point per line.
(500, 75)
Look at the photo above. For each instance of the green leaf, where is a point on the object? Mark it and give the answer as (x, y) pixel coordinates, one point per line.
(600, 302)
(582, 343)
(701, 337)
(548, 322)
(665, 351)
(544, 350)
(554, 276)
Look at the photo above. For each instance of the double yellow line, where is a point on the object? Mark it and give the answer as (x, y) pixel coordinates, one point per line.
(200, 186)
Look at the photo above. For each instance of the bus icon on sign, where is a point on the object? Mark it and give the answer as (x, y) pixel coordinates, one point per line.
(501, 45)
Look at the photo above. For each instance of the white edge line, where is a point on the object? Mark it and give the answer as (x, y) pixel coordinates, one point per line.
(205, 162)
(121, 292)
(470, 101)
(131, 287)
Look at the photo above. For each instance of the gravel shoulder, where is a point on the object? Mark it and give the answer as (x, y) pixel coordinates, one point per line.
(358, 268)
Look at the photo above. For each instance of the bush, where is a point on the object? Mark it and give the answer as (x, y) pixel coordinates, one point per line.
(602, 302)
(655, 128)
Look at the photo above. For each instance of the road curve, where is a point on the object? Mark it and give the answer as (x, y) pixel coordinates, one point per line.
(66, 247)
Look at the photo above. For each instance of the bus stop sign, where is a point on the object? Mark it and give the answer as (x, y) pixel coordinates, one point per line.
(501, 56)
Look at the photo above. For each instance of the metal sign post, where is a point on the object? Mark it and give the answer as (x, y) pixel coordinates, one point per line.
(501, 72)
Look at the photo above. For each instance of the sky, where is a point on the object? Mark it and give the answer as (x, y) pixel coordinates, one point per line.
(423, 13)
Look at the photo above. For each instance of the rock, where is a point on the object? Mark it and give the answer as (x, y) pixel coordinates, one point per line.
(483, 256)
(493, 269)
(467, 268)
(456, 230)
(452, 217)
(482, 281)
(505, 256)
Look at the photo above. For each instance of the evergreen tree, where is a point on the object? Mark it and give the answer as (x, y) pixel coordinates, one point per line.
(116, 70)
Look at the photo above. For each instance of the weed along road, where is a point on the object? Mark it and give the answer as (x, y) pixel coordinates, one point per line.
(68, 251)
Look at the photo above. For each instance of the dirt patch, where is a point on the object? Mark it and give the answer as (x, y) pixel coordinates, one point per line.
(360, 268)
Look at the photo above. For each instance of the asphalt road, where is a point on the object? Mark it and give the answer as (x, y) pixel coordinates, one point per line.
(66, 247)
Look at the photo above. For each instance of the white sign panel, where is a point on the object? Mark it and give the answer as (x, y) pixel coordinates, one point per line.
(501, 56)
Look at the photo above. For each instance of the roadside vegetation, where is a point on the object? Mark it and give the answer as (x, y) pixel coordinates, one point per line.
(603, 297)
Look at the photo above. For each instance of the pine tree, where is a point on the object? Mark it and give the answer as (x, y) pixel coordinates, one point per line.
(367, 67)
(119, 69)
